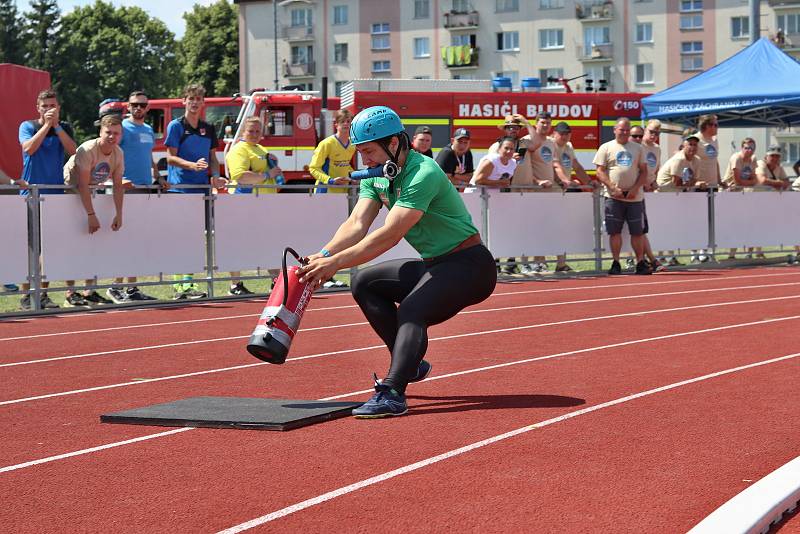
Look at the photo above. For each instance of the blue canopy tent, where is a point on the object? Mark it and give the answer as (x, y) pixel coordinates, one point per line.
(755, 87)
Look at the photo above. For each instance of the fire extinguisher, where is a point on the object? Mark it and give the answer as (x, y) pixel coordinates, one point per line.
(280, 319)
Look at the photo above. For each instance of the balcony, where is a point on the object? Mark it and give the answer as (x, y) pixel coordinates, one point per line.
(460, 57)
(595, 53)
(299, 70)
(783, 4)
(455, 20)
(298, 33)
(594, 10)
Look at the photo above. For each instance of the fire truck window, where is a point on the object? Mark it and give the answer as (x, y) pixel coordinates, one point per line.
(279, 122)
(177, 113)
(155, 118)
(222, 116)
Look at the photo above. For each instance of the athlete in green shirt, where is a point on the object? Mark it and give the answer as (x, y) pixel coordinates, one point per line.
(402, 298)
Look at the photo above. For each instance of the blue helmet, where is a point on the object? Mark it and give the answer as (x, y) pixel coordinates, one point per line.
(374, 123)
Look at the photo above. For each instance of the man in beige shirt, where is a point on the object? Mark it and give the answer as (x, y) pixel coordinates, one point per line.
(543, 152)
(708, 150)
(769, 172)
(682, 171)
(621, 168)
(565, 162)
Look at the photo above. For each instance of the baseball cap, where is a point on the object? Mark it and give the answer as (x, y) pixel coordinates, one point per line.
(461, 132)
(562, 128)
(422, 130)
(108, 107)
(774, 149)
(512, 120)
(691, 134)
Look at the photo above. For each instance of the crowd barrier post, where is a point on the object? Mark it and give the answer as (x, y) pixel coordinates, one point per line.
(712, 236)
(352, 200)
(209, 223)
(34, 247)
(484, 229)
(597, 209)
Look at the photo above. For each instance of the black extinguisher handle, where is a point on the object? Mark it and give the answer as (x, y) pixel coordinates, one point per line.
(300, 260)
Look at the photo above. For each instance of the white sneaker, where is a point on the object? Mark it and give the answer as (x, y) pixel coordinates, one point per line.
(329, 284)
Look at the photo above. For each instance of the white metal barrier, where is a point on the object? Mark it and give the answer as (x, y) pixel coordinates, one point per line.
(752, 219)
(13, 239)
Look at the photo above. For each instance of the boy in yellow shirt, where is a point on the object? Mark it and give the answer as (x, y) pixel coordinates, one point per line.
(330, 164)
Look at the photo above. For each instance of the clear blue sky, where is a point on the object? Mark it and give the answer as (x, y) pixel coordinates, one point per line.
(169, 11)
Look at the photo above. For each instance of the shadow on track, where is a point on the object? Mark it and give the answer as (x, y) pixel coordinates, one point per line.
(463, 403)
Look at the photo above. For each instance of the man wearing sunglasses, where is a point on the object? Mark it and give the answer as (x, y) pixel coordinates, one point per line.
(140, 169)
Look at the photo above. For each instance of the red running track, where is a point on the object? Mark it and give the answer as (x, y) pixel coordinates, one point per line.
(622, 404)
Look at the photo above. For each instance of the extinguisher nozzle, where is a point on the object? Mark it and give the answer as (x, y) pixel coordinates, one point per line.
(266, 348)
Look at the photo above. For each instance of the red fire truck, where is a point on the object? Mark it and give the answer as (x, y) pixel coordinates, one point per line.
(443, 105)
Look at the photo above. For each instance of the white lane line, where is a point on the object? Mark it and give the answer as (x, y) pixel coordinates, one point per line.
(308, 503)
(503, 294)
(437, 377)
(467, 312)
(758, 506)
(93, 449)
(455, 336)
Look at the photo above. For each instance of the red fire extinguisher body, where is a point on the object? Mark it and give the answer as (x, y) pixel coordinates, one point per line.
(279, 322)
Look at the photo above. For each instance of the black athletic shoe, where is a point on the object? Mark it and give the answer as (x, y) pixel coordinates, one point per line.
(423, 370)
(117, 294)
(239, 290)
(134, 293)
(76, 300)
(47, 303)
(25, 303)
(191, 294)
(643, 268)
(95, 299)
(616, 268)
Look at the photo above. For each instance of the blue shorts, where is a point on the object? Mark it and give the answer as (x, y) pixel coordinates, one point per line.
(618, 212)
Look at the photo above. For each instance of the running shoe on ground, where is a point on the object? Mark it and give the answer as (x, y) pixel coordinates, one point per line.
(239, 289)
(46, 303)
(95, 299)
(616, 268)
(76, 300)
(134, 293)
(25, 303)
(339, 283)
(386, 402)
(792, 259)
(703, 258)
(658, 267)
(329, 284)
(191, 294)
(117, 294)
(563, 268)
(526, 269)
(673, 261)
(643, 268)
(10, 287)
(423, 370)
(630, 264)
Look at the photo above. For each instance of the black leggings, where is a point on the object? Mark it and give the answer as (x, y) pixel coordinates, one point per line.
(428, 293)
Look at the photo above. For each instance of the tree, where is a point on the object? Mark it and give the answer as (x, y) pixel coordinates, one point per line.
(11, 50)
(41, 28)
(107, 52)
(209, 50)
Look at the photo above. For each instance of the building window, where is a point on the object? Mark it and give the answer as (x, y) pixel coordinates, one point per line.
(599, 76)
(505, 6)
(791, 152)
(382, 66)
(337, 88)
(644, 73)
(740, 27)
(691, 5)
(550, 77)
(422, 9)
(644, 32)
(339, 15)
(549, 39)
(789, 23)
(422, 47)
(691, 55)
(380, 36)
(302, 55)
(550, 4)
(508, 41)
(692, 22)
(511, 74)
(595, 35)
(461, 6)
(340, 53)
(464, 39)
(301, 17)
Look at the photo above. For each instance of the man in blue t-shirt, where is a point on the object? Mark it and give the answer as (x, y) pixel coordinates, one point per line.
(140, 169)
(191, 150)
(45, 141)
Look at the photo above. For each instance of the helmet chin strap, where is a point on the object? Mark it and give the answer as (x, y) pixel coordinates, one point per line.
(392, 167)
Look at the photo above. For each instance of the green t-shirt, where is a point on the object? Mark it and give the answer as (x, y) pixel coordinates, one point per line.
(423, 186)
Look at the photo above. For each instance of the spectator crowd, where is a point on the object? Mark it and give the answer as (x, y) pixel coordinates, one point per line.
(536, 156)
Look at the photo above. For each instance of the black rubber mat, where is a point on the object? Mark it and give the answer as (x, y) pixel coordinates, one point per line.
(234, 412)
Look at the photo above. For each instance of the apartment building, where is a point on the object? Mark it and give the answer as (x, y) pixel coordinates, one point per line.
(621, 46)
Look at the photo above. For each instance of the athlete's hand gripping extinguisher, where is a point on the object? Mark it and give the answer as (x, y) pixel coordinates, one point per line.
(280, 319)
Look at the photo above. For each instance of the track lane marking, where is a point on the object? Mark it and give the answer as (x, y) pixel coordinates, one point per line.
(308, 503)
(468, 312)
(437, 377)
(228, 317)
